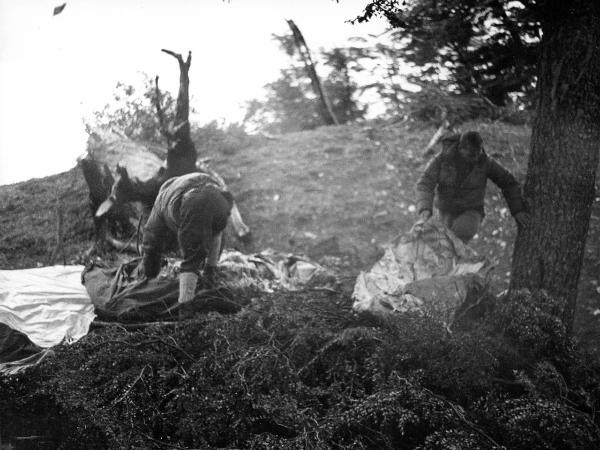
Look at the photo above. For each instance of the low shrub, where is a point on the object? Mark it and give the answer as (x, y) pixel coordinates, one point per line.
(300, 370)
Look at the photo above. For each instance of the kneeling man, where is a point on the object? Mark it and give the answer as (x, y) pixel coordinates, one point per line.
(458, 175)
(193, 209)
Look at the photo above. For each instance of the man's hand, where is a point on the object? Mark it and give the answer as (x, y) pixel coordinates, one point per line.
(523, 219)
(424, 216)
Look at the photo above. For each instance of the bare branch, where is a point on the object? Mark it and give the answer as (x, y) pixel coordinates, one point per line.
(161, 115)
(138, 378)
(173, 54)
(438, 134)
(131, 326)
(182, 109)
(180, 126)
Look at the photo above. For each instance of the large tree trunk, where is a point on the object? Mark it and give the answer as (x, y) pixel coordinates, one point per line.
(560, 182)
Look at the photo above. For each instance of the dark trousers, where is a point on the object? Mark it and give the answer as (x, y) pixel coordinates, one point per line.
(464, 225)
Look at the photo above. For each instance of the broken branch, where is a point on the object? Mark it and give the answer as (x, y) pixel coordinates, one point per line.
(139, 377)
(160, 113)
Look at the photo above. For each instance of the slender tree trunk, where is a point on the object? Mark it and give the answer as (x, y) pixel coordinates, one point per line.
(326, 111)
(560, 184)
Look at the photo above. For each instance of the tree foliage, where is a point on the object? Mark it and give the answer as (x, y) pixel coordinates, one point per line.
(291, 104)
(132, 111)
(340, 85)
(487, 47)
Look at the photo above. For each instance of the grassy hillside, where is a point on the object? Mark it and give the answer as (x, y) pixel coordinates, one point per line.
(29, 219)
(336, 190)
(300, 370)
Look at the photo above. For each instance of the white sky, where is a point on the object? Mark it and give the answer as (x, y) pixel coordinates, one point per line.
(55, 70)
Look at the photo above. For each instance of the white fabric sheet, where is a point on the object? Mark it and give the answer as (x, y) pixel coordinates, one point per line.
(49, 304)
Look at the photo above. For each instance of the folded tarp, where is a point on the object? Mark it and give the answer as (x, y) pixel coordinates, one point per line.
(17, 352)
(429, 272)
(119, 295)
(15, 345)
(40, 308)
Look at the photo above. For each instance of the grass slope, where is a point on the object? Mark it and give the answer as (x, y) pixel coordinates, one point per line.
(300, 370)
(342, 190)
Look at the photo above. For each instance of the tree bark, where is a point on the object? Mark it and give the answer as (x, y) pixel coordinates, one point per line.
(560, 184)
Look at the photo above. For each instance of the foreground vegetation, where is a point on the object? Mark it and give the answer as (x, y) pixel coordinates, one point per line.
(300, 370)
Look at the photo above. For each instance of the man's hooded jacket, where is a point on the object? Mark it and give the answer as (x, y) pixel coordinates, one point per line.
(461, 186)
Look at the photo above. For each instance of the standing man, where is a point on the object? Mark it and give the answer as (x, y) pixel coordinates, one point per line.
(193, 209)
(459, 176)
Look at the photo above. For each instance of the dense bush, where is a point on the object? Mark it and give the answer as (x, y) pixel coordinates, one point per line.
(300, 370)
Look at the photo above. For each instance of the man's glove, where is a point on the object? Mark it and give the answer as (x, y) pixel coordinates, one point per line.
(187, 286)
(523, 219)
(424, 216)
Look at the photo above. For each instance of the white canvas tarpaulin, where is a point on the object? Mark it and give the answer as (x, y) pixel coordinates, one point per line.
(49, 304)
(429, 272)
(44, 307)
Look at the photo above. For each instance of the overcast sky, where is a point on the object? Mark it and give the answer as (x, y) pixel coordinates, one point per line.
(55, 70)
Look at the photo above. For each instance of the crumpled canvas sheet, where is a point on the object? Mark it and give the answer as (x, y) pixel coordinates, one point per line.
(429, 272)
(119, 295)
(17, 351)
(269, 271)
(41, 308)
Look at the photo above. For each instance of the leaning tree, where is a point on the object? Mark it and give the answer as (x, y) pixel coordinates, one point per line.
(560, 183)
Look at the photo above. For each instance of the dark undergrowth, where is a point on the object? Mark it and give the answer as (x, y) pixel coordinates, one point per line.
(300, 370)
(297, 371)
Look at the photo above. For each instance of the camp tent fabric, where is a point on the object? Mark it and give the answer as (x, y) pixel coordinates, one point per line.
(429, 272)
(43, 307)
(40, 308)
(48, 304)
(15, 345)
(17, 352)
(118, 293)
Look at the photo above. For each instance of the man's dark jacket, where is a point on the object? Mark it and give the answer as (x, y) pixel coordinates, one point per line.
(192, 209)
(458, 192)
